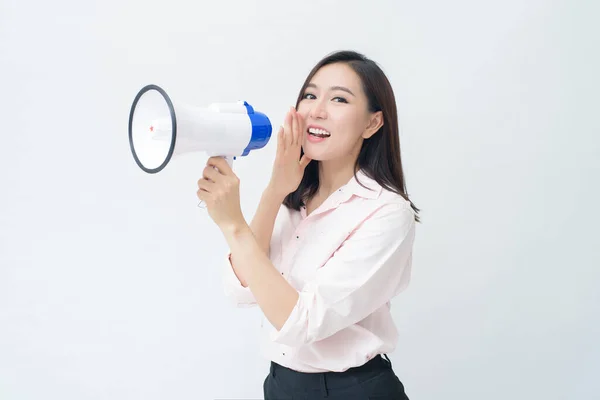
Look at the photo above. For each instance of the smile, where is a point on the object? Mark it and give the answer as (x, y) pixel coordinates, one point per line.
(321, 133)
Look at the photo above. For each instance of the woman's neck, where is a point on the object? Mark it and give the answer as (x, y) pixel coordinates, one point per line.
(333, 175)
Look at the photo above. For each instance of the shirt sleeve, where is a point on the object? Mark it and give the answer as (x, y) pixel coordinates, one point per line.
(241, 296)
(370, 268)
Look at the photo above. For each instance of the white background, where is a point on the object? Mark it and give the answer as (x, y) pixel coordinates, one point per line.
(109, 277)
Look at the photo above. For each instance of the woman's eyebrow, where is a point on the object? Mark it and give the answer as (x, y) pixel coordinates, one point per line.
(342, 88)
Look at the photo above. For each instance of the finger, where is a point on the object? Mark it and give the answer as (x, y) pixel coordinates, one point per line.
(221, 164)
(295, 127)
(280, 138)
(304, 161)
(206, 185)
(210, 173)
(202, 195)
(301, 128)
(287, 127)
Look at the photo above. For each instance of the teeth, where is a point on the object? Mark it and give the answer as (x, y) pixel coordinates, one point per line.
(320, 132)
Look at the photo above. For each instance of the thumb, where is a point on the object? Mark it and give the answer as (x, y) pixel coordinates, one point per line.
(304, 161)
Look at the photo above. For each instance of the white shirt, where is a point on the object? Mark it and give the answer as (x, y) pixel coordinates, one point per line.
(347, 260)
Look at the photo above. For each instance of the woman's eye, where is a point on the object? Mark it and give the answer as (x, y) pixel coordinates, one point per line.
(341, 99)
(308, 96)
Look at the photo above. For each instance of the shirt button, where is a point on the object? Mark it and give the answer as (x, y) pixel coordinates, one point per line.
(297, 237)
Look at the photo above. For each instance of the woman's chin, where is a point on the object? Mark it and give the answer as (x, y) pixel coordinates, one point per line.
(322, 155)
(314, 152)
(313, 155)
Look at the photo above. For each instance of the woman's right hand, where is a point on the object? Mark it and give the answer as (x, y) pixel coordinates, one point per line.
(288, 168)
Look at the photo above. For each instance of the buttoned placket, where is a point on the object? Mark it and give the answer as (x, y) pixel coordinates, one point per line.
(332, 202)
(342, 195)
(293, 249)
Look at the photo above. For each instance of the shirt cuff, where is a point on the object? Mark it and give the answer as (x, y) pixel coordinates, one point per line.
(240, 295)
(294, 331)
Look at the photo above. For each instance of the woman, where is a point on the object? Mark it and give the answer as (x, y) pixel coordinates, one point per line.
(331, 241)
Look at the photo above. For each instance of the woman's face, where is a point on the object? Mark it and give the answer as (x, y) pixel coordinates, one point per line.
(336, 113)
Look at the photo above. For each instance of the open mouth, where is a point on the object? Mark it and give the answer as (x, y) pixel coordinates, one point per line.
(320, 133)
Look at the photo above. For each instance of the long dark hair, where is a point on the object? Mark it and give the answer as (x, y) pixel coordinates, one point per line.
(379, 156)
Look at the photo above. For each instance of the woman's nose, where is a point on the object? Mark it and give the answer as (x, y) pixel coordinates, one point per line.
(318, 110)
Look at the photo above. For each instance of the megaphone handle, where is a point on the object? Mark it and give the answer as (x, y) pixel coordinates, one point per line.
(229, 160)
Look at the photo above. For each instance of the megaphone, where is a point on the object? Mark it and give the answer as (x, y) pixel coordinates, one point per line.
(160, 129)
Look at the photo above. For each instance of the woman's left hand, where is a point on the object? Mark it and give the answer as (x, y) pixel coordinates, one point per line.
(220, 191)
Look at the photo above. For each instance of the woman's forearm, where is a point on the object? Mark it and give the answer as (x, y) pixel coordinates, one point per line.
(264, 220)
(273, 293)
(261, 226)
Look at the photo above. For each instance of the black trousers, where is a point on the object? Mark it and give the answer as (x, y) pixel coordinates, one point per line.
(374, 380)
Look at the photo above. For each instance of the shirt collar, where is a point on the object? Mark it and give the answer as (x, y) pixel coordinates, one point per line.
(369, 189)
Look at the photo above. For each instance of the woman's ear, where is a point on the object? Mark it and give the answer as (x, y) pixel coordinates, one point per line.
(375, 123)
